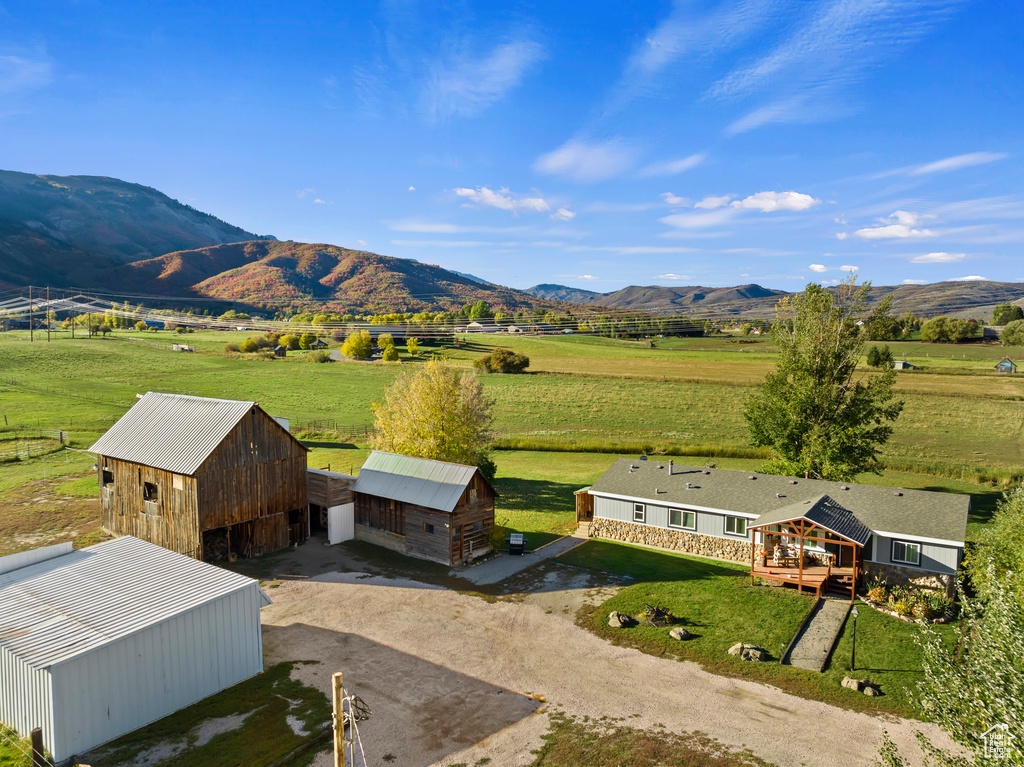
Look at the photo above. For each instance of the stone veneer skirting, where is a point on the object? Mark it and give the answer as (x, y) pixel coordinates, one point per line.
(674, 540)
(895, 575)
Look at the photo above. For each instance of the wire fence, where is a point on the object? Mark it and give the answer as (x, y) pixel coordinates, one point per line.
(19, 751)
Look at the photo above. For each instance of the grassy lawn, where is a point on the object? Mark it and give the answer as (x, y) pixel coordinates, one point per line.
(14, 751)
(265, 703)
(715, 602)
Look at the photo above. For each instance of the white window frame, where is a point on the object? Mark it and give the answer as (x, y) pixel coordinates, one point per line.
(682, 525)
(640, 512)
(905, 545)
(733, 533)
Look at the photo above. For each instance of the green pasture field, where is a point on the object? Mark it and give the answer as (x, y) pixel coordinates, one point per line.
(587, 394)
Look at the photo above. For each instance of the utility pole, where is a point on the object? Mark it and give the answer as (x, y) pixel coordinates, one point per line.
(31, 333)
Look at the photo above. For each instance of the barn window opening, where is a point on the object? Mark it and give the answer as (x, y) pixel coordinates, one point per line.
(428, 528)
(108, 477)
(150, 492)
(472, 494)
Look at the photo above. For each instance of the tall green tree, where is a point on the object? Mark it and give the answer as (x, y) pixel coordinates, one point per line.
(438, 412)
(812, 413)
(1013, 334)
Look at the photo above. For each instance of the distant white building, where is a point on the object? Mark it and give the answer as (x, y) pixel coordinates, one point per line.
(98, 642)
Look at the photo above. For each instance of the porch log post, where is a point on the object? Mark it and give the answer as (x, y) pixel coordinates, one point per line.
(752, 559)
(853, 583)
(800, 577)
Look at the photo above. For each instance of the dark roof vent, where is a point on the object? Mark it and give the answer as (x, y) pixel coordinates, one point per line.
(779, 495)
(689, 485)
(792, 481)
(751, 477)
(844, 487)
(707, 472)
(661, 466)
(897, 493)
(642, 458)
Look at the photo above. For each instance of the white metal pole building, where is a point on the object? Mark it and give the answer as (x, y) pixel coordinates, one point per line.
(97, 642)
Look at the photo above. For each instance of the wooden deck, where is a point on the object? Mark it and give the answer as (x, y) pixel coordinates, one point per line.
(815, 577)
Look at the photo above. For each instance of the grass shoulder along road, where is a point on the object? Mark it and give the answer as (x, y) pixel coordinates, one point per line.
(715, 601)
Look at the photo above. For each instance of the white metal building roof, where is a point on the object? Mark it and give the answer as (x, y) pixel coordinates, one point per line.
(74, 603)
(433, 484)
(174, 432)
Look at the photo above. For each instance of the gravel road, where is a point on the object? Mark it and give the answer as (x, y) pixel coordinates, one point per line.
(398, 638)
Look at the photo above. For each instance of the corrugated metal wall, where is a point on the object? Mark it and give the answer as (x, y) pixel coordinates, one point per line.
(25, 695)
(154, 672)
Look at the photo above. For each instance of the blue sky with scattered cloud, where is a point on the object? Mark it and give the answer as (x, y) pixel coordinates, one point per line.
(596, 145)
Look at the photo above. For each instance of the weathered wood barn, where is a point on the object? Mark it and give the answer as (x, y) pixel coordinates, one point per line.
(202, 476)
(432, 510)
(330, 504)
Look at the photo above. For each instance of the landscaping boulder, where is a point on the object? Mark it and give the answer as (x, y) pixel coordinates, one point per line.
(852, 684)
(749, 652)
(619, 620)
(680, 633)
(871, 689)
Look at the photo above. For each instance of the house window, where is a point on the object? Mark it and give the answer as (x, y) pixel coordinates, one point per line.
(684, 520)
(736, 526)
(639, 512)
(150, 491)
(907, 553)
(428, 528)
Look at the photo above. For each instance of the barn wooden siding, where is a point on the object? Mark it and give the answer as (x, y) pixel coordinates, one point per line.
(328, 488)
(256, 475)
(171, 521)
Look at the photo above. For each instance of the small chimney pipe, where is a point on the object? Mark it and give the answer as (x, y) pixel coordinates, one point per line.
(670, 467)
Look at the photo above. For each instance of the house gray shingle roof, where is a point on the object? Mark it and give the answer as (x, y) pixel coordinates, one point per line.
(173, 432)
(921, 513)
(433, 484)
(825, 512)
(71, 604)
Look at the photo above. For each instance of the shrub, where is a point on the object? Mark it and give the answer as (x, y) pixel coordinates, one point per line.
(384, 340)
(232, 347)
(922, 611)
(878, 593)
(319, 356)
(503, 361)
(289, 341)
(412, 345)
(902, 607)
(941, 605)
(141, 326)
(391, 354)
(248, 346)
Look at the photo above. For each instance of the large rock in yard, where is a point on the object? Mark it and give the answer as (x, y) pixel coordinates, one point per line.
(680, 633)
(736, 649)
(618, 620)
(871, 690)
(749, 652)
(852, 684)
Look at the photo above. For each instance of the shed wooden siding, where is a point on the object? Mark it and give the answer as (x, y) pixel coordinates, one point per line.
(328, 489)
(934, 558)
(171, 521)
(708, 523)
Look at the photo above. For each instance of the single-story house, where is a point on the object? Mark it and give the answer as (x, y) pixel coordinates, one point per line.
(1006, 365)
(902, 365)
(202, 476)
(483, 326)
(432, 510)
(100, 641)
(828, 534)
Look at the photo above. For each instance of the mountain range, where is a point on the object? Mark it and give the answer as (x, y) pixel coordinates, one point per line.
(103, 234)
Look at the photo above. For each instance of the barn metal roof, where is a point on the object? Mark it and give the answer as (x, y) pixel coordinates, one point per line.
(173, 432)
(433, 484)
(74, 603)
(823, 511)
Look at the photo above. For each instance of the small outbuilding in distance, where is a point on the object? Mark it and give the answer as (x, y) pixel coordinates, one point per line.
(98, 642)
(1006, 365)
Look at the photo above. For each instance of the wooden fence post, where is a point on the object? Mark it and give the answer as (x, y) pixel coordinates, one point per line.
(339, 721)
(38, 757)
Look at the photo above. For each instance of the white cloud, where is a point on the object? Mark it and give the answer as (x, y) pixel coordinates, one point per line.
(587, 277)
(673, 200)
(711, 202)
(318, 201)
(440, 227)
(466, 85)
(587, 162)
(21, 73)
(938, 258)
(768, 202)
(503, 199)
(848, 268)
(957, 162)
(620, 207)
(915, 282)
(902, 229)
(563, 214)
(672, 167)
(443, 243)
(818, 268)
(699, 220)
(303, 193)
(971, 278)
(412, 188)
(628, 250)
(671, 276)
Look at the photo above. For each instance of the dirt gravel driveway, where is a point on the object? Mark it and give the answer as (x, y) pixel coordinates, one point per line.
(535, 648)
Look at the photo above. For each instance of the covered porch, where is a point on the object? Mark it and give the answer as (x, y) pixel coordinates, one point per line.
(816, 545)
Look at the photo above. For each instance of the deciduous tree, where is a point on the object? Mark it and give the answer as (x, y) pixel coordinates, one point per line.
(809, 410)
(1013, 334)
(391, 354)
(358, 345)
(438, 412)
(412, 345)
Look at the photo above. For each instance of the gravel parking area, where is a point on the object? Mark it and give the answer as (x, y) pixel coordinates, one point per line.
(448, 676)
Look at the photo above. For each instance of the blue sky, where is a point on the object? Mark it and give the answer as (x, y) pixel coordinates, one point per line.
(589, 144)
